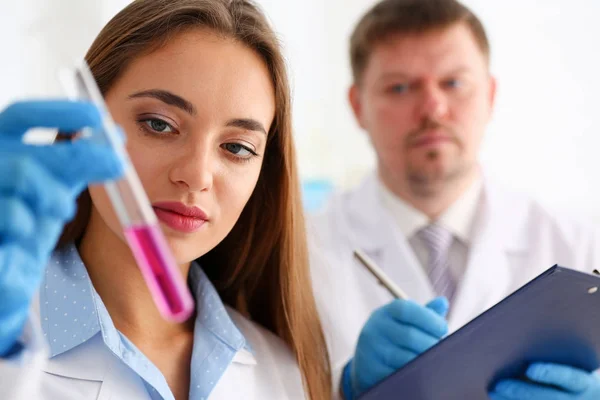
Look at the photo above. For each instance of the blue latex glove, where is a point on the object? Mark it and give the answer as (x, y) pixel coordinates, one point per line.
(394, 335)
(38, 189)
(550, 382)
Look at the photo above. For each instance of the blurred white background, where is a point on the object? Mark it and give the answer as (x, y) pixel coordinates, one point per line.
(543, 138)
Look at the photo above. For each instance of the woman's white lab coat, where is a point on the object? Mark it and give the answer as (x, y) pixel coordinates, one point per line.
(91, 372)
(515, 240)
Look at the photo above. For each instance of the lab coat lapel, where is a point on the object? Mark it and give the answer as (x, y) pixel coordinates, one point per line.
(92, 361)
(487, 278)
(88, 361)
(376, 234)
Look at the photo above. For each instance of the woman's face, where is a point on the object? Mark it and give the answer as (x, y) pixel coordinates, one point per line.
(196, 114)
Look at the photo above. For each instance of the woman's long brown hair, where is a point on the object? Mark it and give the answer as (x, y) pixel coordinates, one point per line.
(261, 267)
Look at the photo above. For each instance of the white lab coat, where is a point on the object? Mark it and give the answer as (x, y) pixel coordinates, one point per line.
(515, 239)
(92, 372)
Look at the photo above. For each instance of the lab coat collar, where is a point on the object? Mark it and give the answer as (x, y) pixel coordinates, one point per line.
(504, 212)
(457, 219)
(499, 236)
(371, 222)
(368, 219)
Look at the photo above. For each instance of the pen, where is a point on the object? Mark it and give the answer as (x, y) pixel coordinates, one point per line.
(380, 275)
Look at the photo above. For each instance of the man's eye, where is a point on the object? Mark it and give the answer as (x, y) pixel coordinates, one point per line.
(398, 88)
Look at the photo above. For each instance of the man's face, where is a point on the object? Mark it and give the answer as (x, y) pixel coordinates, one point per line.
(425, 100)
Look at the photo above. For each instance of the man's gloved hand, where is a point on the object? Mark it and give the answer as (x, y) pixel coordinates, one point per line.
(393, 336)
(550, 382)
(38, 189)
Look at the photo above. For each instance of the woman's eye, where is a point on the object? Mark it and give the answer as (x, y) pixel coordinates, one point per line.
(158, 125)
(239, 150)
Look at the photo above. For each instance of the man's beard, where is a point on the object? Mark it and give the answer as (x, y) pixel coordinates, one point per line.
(427, 182)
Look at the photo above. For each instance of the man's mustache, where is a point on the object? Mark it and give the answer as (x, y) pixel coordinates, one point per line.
(429, 125)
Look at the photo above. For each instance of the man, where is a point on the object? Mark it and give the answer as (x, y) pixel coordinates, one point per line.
(429, 217)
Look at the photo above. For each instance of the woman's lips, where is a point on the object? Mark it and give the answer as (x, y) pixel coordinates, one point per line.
(180, 217)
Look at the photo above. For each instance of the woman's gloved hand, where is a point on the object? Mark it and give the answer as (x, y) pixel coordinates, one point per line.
(38, 189)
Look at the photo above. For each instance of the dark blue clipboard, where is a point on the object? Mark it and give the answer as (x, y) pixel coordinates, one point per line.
(553, 318)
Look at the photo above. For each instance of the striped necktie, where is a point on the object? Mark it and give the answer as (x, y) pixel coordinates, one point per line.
(438, 240)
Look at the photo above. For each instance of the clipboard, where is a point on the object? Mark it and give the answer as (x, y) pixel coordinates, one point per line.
(553, 318)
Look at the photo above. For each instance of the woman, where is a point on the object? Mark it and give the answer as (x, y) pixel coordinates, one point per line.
(200, 89)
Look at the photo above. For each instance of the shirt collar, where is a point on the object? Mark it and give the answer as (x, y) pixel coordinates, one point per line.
(458, 218)
(72, 312)
(211, 312)
(407, 218)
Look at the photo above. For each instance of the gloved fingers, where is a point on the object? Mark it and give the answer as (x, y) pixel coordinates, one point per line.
(519, 390)
(409, 312)
(495, 396)
(12, 312)
(13, 319)
(16, 292)
(568, 378)
(440, 305)
(67, 116)
(25, 178)
(394, 358)
(16, 219)
(20, 275)
(82, 162)
(48, 230)
(75, 164)
(362, 381)
(395, 335)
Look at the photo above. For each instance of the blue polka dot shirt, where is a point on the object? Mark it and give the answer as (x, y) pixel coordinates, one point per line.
(72, 313)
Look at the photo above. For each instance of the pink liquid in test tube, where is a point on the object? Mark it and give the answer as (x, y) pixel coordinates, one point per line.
(160, 271)
(144, 236)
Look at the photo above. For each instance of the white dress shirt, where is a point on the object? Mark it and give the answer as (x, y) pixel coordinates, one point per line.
(459, 219)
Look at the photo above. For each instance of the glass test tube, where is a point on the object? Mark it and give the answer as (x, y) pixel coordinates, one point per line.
(132, 207)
